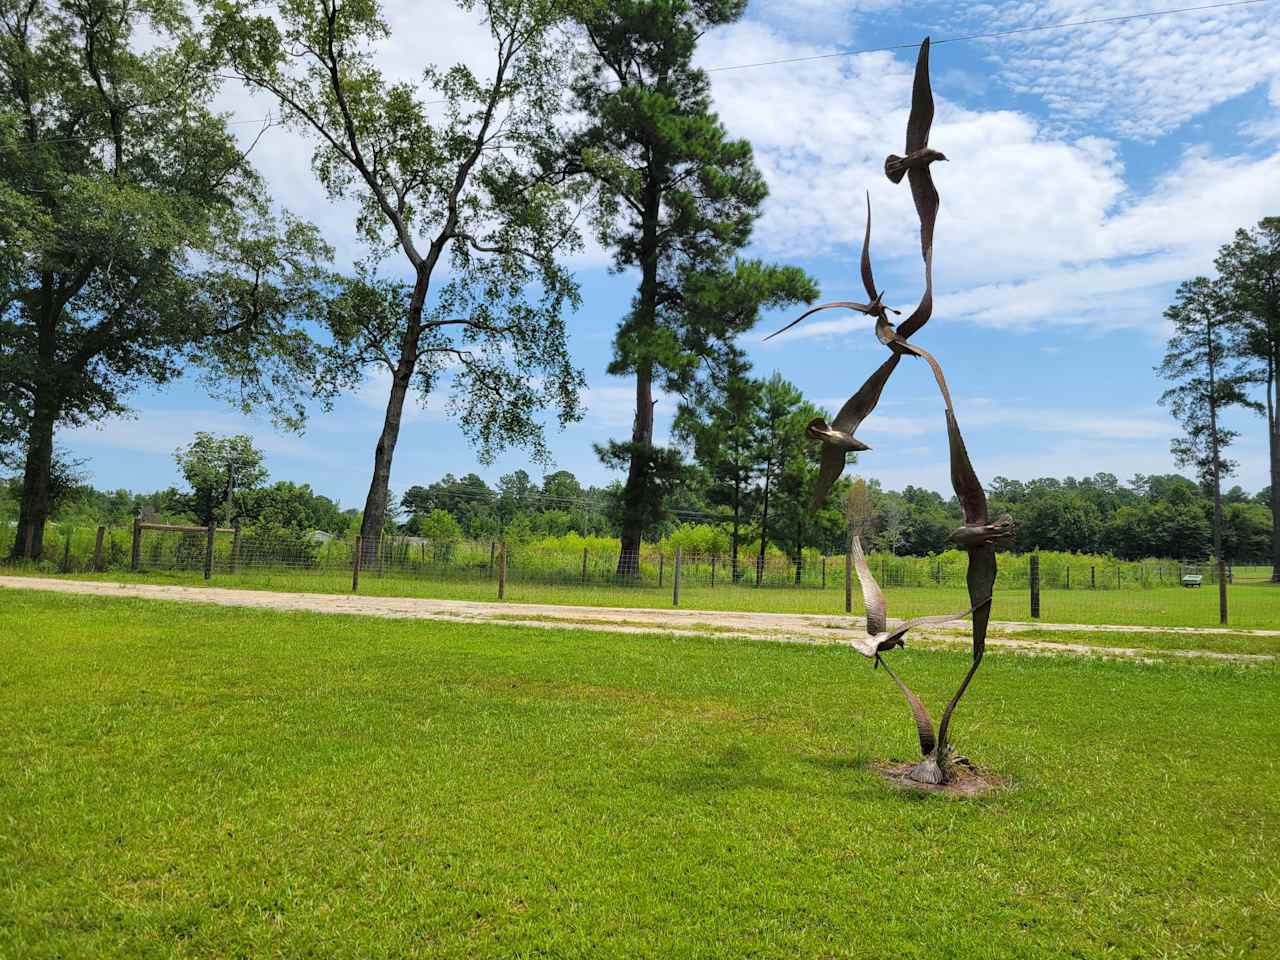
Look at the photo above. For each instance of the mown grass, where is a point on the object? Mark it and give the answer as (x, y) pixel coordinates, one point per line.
(216, 782)
(1252, 605)
(1157, 640)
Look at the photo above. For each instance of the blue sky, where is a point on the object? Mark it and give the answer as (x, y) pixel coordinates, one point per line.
(1091, 169)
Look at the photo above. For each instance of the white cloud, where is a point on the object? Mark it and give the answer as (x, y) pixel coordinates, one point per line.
(1034, 229)
(1140, 78)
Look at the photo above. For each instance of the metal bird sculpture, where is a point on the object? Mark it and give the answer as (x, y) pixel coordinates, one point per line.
(880, 638)
(885, 333)
(981, 539)
(837, 437)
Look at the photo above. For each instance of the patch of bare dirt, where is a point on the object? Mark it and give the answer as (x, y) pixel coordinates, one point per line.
(964, 782)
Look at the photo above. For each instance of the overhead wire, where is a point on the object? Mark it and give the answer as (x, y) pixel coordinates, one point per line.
(890, 48)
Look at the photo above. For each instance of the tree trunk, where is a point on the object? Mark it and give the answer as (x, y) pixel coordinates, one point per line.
(1273, 439)
(34, 510)
(633, 495)
(375, 504)
(764, 521)
(634, 500)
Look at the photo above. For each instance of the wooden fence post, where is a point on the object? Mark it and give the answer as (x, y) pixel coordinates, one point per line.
(1222, 591)
(502, 571)
(208, 552)
(584, 564)
(824, 571)
(492, 548)
(1093, 578)
(1035, 586)
(661, 564)
(1068, 577)
(235, 546)
(135, 560)
(675, 580)
(97, 549)
(713, 569)
(848, 579)
(66, 552)
(355, 565)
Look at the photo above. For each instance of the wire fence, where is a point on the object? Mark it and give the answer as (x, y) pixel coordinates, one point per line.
(1049, 586)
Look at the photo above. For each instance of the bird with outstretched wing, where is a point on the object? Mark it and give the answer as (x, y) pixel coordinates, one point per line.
(837, 437)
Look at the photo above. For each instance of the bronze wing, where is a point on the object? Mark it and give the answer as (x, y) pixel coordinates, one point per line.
(924, 726)
(872, 597)
(973, 501)
(832, 465)
(868, 280)
(921, 118)
(858, 407)
(860, 307)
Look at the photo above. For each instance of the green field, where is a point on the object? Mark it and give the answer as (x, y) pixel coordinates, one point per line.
(1253, 605)
(210, 782)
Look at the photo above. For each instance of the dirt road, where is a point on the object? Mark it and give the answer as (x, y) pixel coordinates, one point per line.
(784, 627)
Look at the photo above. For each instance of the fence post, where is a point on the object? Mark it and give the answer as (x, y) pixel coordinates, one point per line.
(848, 578)
(208, 552)
(492, 547)
(235, 546)
(97, 550)
(661, 564)
(713, 569)
(502, 571)
(355, 565)
(1068, 576)
(1118, 568)
(135, 559)
(824, 571)
(1093, 578)
(1222, 591)
(675, 581)
(584, 564)
(1035, 586)
(66, 552)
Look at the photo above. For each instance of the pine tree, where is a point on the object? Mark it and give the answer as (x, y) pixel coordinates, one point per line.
(676, 201)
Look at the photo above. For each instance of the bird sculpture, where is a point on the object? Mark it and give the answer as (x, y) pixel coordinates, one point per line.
(981, 539)
(875, 308)
(837, 437)
(880, 639)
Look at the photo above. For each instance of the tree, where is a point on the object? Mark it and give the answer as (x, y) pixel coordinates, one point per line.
(219, 470)
(1250, 266)
(130, 223)
(781, 436)
(721, 422)
(676, 199)
(1202, 361)
(458, 192)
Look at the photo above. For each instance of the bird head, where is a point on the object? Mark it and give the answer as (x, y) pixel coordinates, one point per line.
(936, 155)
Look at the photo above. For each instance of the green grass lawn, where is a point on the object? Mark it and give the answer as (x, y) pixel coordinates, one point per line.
(1252, 605)
(214, 782)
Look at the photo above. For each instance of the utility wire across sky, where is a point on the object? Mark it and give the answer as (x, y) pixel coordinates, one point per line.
(991, 35)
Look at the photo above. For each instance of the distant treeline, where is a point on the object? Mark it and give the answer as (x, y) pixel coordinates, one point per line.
(1150, 516)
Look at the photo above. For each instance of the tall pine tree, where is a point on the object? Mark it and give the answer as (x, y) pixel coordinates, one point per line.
(676, 201)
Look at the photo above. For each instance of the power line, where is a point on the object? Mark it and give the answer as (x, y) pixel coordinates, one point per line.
(992, 35)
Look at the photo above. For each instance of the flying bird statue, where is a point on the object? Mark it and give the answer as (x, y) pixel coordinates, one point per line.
(837, 438)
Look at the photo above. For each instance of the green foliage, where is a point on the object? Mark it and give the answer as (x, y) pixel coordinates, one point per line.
(454, 187)
(218, 471)
(144, 243)
(676, 198)
(440, 527)
(698, 539)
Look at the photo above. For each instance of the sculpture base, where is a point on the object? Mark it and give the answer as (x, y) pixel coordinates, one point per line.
(963, 781)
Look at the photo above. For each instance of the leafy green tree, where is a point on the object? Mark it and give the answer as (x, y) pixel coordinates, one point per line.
(1250, 266)
(1062, 520)
(218, 471)
(1246, 531)
(1202, 361)
(439, 526)
(447, 188)
(721, 422)
(131, 223)
(781, 442)
(676, 199)
(293, 505)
